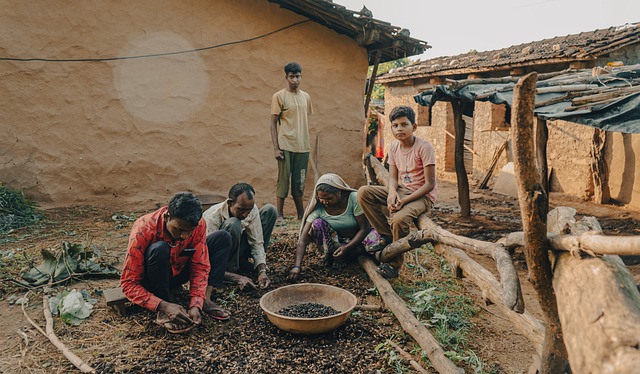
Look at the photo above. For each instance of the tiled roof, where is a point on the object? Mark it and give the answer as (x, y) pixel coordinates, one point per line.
(375, 35)
(578, 47)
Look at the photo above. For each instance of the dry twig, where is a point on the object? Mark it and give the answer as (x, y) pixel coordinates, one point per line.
(51, 335)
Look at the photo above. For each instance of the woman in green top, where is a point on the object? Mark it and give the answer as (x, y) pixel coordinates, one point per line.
(335, 222)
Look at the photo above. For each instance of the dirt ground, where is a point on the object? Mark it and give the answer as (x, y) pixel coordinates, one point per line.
(248, 342)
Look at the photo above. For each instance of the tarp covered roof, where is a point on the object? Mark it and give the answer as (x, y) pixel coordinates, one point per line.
(375, 35)
(606, 98)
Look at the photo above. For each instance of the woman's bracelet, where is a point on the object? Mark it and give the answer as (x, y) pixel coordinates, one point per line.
(296, 266)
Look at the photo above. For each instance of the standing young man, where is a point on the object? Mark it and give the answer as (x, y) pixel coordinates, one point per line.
(290, 109)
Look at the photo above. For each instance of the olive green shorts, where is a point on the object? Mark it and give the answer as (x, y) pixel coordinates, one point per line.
(292, 171)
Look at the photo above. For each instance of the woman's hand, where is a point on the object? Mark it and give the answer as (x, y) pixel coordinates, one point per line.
(294, 273)
(340, 252)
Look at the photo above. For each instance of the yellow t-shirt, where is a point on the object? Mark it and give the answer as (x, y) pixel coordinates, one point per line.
(293, 124)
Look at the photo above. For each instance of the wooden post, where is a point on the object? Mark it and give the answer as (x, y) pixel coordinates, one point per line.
(461, 173)
(372, 81)
(534, 204)
(599, 167)
(542, 135)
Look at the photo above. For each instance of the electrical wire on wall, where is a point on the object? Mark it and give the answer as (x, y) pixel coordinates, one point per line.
(153, 54)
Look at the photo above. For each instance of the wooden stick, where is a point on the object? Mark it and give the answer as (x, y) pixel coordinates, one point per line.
(592, 243)
(51, 335)
(494, 162)
(566, 88)
(534, 205)
(369, 308)
(465, 146)
(409, 358)
(408, 321)
(605, 96)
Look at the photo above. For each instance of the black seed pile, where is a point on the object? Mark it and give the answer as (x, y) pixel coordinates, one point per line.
(308, 310)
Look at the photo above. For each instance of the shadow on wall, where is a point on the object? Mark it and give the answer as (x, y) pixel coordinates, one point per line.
(629, 171)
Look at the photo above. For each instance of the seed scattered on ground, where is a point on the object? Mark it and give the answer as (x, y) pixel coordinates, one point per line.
(308, 310)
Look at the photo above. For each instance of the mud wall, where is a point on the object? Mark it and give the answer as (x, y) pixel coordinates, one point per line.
(488, 118)
(622, 152)
(569, 155)
(140, 129)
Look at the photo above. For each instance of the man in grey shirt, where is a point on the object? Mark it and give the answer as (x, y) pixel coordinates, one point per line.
(250, 230)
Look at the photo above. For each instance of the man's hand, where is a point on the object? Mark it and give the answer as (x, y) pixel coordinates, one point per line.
(244, 282)
(294, 273)
(196, 316)
(279, 154)
(263, 280)
(176, 313)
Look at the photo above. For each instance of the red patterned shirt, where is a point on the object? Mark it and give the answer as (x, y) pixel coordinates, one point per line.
(150, 229)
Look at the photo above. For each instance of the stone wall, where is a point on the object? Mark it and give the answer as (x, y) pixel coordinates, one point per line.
(629, 55)
(141, 129)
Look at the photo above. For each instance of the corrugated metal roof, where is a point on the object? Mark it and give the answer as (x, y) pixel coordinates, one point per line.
(375, 35)
(571, 48)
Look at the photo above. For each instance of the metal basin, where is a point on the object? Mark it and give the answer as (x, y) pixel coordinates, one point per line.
(208, 201)
(337, 298)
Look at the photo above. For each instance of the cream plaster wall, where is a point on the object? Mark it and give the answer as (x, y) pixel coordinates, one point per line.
(142, 129)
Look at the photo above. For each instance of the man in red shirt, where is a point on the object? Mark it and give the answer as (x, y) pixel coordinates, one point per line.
(167, 248)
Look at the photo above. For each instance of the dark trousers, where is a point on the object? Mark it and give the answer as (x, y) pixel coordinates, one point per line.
(240, 249)
(157, 267)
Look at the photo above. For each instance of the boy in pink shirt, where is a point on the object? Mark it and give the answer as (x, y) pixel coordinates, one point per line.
(412, 187)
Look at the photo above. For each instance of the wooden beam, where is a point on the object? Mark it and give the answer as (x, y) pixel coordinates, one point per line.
(461, 173)
(408, 321)
(599, 167)
(542, 135)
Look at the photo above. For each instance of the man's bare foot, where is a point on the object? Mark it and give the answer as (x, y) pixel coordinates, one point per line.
(215, 311)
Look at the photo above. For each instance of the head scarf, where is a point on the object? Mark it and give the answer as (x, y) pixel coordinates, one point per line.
(331, 179)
